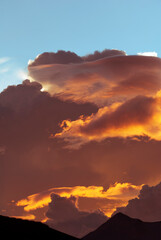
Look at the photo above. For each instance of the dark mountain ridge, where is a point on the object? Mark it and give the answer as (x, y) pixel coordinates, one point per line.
(12, 228)
(118, 227)
(122, 227)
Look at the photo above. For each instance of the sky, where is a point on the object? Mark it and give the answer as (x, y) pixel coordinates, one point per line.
(80, 111)
(29, 28)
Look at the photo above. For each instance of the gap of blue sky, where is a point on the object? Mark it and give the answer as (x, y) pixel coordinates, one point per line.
(31, 27)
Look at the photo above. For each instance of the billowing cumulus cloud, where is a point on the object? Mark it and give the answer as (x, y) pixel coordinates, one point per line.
(62, 57)
(147, 206)
(123, 119)
(27, 118)
(64, 215)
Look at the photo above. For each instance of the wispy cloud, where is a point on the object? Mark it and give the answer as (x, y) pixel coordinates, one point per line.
(4, 70)
(4, 60)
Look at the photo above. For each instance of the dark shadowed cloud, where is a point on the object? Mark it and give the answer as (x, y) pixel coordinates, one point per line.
(63, 57)
(64, 215)
(105, 53)
(147, 206)
(27, 118)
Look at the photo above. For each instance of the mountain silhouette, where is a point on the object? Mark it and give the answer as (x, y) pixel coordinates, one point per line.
(119, 227)
(122, 227)
(12, 228)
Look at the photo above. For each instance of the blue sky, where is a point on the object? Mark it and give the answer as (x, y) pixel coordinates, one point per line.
(30, 27)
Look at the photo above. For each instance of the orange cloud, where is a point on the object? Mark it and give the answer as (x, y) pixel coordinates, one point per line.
(26, 217)
(102, 81)
(124, 87)
(118, 191)
(139, 116)
(32, 203)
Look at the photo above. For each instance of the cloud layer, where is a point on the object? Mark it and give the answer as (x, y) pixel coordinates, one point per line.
(139, 116)
(119, 193)
(29, 114)
(126, 89)
(147, 206)
(103, 81)
(118, 132)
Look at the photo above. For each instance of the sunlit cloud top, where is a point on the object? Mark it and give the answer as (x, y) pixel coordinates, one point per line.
(152, 54)
(125, 88)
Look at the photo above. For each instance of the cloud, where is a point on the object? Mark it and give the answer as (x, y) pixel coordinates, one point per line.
(125, 99)
(64, 215)
(4, 60)
(125, 88)
(4, 70)
(105, 53)
(136, 117)
(26, 217)
(63, 57)
(27, 118)
(116, 195)
(152, 54)
(147, 206)
(103, 81)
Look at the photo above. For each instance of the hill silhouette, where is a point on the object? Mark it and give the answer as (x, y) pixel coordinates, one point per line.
(122, 227)
(119, 227)
(12, 228)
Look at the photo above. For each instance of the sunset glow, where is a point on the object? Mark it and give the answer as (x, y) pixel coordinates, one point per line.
(80, 113)
(118, 191)
(116, 121)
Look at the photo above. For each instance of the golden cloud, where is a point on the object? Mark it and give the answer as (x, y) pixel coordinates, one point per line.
(118, 191)
(25, 217)
(140, 116)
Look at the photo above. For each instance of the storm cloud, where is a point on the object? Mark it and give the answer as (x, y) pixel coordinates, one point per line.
(147, 206)
(64, 215)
